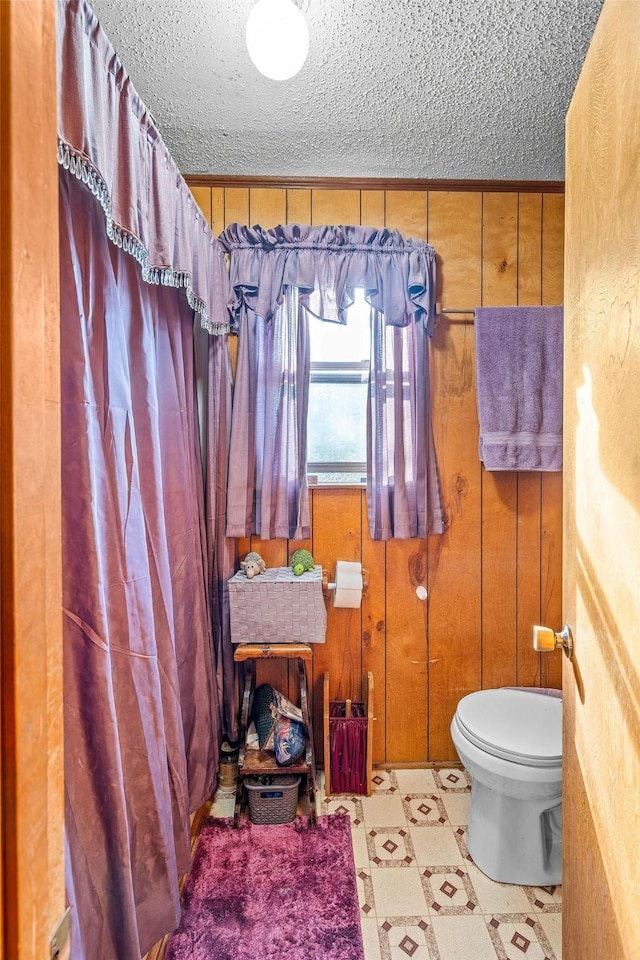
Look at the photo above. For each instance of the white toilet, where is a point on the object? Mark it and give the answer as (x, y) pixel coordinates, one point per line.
(510, 741)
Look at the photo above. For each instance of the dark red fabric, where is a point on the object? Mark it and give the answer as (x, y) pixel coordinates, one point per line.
(348, 745)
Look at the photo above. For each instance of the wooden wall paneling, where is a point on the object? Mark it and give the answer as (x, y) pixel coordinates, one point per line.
(507, 261)
(529, 249)
(372, 213)
(337, 535)
(406, 699)
(217, 211)
(236, 205)
(267, 207)
(202, 196)
(374, 630)
(499, 540)
(529, 499)
(499, 249)
(455, 230)
(406, 211)
(528, 597)
(335, 207)
(298, 206)
(406, 668)
(552, 248)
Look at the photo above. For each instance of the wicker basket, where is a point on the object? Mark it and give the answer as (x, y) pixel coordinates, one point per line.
(272, 799)
(278, 607)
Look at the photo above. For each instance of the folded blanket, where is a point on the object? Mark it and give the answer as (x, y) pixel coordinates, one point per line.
(519, 387)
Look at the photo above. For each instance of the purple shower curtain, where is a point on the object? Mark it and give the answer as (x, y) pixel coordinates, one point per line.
(221, 549)
(276, 278)
(141, 704)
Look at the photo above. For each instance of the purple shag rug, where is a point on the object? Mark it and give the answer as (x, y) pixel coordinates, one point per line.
(271, 892)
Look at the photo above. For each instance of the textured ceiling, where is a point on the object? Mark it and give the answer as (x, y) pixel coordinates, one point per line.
(453, 89)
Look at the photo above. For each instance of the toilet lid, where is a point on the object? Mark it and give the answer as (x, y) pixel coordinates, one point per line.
(514, 724)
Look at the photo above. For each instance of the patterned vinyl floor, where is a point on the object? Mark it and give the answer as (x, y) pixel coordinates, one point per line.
(421, 896)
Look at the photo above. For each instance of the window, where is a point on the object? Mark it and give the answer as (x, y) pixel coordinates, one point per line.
(339, 374)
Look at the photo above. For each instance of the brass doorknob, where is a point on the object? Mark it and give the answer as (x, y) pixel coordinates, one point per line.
(545, 639)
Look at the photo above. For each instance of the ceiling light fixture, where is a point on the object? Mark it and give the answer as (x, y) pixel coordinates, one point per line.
(277, 38)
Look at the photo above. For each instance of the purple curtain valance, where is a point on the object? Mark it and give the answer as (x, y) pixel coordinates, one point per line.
(108, 139)
(327, 264)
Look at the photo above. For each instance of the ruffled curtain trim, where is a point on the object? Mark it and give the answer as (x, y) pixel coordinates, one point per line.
(109, 141)
(327, 264)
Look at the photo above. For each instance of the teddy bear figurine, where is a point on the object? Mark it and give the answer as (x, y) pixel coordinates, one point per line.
(253, 565)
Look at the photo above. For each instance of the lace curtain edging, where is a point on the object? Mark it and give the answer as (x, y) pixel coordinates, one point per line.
(108, 140)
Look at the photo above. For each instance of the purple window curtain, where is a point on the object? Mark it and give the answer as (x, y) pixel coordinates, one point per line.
(221, 549)
(403, 487)
(140, 699)
(276, 278)
(267, 488)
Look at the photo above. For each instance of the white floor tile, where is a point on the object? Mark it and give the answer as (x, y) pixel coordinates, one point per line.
(360, 851)
(349, 805)
(457, 807)
(398, 892)
(383, 781)
(463, 938)
(383, 810)
(415, 781)
(551, 923)
(497, 897)
(406, 938)
(435, 846)
(370, 938)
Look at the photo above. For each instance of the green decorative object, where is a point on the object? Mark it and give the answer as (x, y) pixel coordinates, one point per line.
(301, 561)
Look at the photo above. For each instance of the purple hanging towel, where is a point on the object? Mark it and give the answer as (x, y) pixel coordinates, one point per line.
(519, 387)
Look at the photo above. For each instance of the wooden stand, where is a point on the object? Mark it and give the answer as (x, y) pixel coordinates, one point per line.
(252, 762)
(348, 713)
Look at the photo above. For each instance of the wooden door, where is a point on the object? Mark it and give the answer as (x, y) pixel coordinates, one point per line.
(602, 497)
(32, 876)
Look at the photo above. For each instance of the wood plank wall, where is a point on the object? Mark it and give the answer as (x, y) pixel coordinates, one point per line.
(497, 569)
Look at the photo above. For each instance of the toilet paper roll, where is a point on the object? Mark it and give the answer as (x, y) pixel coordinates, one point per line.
(348, 592)
(343, 597)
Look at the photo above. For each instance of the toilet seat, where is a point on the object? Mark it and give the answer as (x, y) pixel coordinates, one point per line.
(514, 725)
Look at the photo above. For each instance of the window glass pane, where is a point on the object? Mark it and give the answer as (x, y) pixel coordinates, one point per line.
(336, 424)
(331, 342)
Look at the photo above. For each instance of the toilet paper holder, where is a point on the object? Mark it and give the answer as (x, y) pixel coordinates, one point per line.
(329, 587)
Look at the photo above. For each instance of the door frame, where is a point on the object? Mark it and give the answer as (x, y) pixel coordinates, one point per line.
(31, 769)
